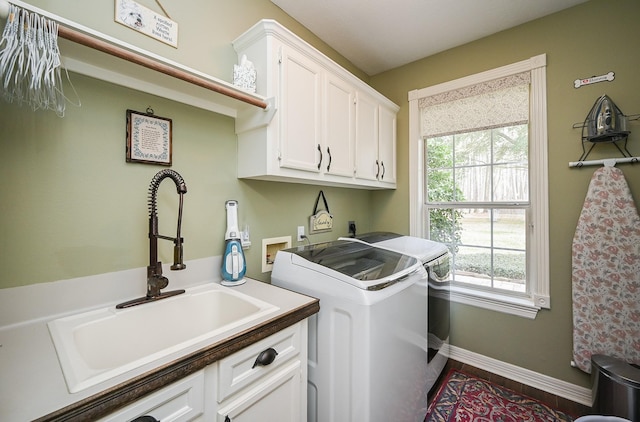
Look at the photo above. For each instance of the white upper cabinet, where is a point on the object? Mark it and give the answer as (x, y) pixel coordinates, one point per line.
(387, 127)
(328, 127)
(375, 141)
(300, 112)
(367, 117)
(339, 124)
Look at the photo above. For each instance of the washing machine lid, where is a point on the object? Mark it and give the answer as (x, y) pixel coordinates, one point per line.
(424, 249)
(365, 266)
(376, 237)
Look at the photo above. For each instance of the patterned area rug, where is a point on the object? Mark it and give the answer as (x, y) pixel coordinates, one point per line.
(465, 398)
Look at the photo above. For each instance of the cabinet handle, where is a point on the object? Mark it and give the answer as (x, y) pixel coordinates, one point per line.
(145, 418)
(320, 151)
(377, 171)
(265, 357)
(329, 152)
(383, 170)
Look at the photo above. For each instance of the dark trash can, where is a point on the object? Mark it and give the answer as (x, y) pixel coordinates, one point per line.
(616, 387)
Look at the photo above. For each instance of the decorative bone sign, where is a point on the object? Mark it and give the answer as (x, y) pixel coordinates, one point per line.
(594, 79)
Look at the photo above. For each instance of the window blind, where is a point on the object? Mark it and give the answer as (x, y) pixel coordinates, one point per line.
(496, 103)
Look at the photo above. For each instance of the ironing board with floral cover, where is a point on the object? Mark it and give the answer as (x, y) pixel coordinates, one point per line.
(606, 272)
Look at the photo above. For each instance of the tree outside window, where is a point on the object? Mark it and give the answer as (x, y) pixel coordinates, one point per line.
(477, 201)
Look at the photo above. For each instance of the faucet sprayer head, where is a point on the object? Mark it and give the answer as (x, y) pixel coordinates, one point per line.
(181, 187)
(178, 263)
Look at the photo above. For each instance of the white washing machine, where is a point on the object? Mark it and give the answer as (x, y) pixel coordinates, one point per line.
(368, 344)
(436, 259)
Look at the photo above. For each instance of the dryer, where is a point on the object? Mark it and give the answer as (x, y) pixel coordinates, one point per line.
(368, 344)
(436, 259)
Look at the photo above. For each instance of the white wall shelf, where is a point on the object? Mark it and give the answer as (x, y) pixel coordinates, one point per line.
(87, 61)
(92, 53)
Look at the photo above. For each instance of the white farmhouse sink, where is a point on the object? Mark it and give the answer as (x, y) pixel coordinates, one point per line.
(98, 345)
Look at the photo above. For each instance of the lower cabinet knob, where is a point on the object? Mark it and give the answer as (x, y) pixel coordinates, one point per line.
(265, 357)
(145, 418)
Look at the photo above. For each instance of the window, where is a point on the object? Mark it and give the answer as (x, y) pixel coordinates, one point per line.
(478, 183)
(477, 203)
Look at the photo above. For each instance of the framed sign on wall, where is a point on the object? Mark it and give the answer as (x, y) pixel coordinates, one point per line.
(148, 138)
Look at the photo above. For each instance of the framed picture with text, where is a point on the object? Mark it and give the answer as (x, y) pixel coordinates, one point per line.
(148, 138)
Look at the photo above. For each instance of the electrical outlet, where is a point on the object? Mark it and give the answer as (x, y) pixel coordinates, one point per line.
(300, 233)
(352, 228)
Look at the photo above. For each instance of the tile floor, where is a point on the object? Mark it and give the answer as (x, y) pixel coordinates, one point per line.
(560, 403)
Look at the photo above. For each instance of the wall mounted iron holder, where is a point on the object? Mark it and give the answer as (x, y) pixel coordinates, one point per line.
(605, 123)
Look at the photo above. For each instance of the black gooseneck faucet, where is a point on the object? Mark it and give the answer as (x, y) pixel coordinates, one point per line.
(155, 280)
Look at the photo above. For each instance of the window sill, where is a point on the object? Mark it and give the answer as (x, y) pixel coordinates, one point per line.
(523, 307)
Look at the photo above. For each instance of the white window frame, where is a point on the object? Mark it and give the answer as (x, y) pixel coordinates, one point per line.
(538, 246)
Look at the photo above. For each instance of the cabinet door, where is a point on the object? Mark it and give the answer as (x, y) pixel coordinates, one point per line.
(239, 370)
(339, 125)
(387, 146)
(182, 401)
(367, 164)
(275, 399)
(300, 102)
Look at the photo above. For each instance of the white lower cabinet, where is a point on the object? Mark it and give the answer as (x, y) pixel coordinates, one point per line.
(182, 401)
(276, 398)
(266, 381)
(272, 392)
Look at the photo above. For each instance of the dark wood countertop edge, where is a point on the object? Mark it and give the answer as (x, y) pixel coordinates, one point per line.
(114, 398)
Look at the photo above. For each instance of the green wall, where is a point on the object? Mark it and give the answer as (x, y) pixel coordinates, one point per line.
(72, 206)
(590, 39)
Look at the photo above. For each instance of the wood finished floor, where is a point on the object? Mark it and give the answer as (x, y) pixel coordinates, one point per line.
(559, 403)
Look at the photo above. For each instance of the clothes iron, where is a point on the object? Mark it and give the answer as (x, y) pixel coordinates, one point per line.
(605, 122)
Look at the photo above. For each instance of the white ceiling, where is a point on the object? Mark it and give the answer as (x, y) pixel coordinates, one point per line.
(378, 35)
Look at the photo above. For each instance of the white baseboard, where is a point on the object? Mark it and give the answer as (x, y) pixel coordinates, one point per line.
(533, 379)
